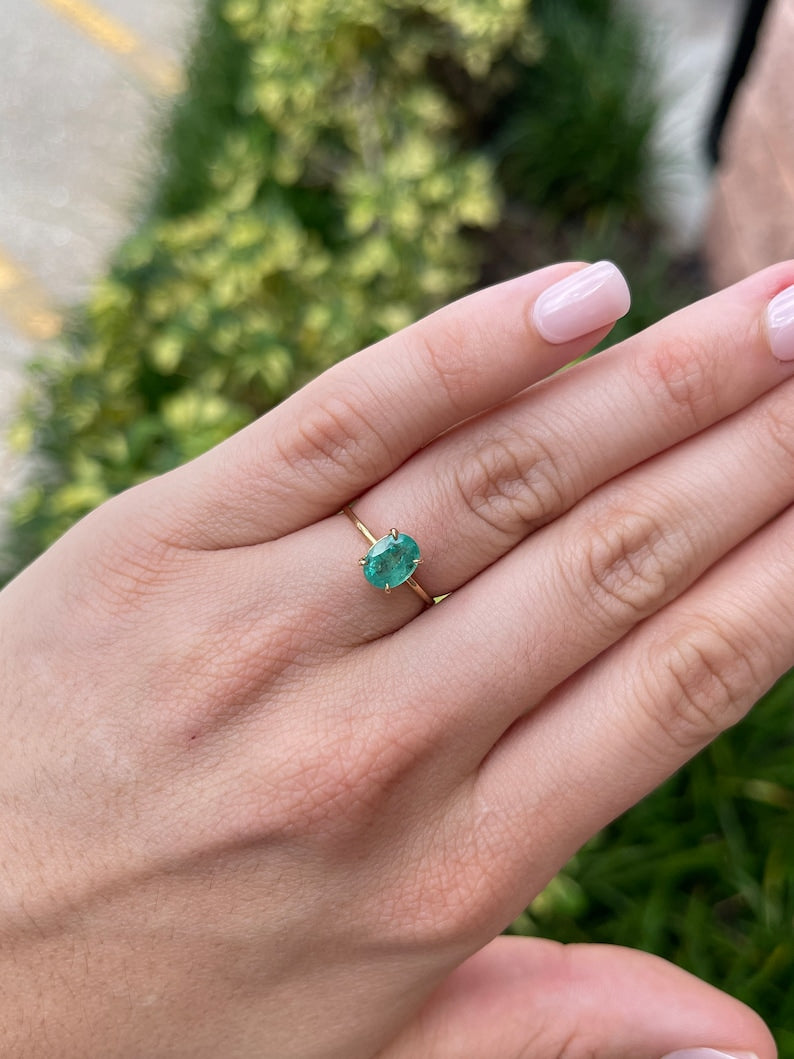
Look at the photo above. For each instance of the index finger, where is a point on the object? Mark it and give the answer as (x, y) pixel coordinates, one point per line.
(352, 426)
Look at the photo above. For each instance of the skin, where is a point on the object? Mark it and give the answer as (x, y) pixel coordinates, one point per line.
(252, 807)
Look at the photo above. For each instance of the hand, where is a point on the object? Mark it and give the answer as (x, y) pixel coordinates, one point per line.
(254, 807)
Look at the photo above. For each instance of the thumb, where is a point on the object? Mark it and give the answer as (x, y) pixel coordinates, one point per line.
(521, 997)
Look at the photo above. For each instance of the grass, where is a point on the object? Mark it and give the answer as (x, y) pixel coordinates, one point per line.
(702, 870)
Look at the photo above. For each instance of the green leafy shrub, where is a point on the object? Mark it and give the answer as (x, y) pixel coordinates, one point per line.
(332, 173)
(573, 137)
(572, 142)
(316, 197)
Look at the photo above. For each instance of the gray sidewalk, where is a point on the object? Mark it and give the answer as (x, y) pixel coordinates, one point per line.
(81, 90)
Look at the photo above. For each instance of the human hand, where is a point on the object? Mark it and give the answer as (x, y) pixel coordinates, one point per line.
(253, 807)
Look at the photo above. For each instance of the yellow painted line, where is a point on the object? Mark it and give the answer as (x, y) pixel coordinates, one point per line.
(156, 71)
(25, 303)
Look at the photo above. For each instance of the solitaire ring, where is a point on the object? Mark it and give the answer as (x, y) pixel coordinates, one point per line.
(391, 560)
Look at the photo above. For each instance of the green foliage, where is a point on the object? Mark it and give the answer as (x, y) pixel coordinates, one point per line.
(330, 174)
(575, 162)
(573, 136)
(315, 198)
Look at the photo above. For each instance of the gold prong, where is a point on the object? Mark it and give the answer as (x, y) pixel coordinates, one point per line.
(362, 561)
(418, 561)
(394, 533)
(387, 589)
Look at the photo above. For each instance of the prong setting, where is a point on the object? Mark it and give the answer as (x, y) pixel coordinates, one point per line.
(391, 560)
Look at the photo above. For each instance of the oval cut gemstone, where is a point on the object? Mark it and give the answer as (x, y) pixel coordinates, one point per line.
(390, 561)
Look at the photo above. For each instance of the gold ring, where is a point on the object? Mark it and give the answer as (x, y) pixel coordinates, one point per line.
(391, 560)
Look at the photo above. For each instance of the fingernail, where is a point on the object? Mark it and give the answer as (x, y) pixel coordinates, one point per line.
(780, 324)
(709, 1053)
(591, 298)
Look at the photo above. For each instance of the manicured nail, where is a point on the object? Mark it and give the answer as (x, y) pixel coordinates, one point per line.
(591, 298)
(709, 1053)
(780, 324)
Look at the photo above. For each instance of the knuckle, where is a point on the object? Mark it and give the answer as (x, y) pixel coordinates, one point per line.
(464, 869)
(678, 374)
(337, 434)
(440, 344)
(344, 776)
(122, 567)
(450, 902)
(628, 566)
(512, 484)
(220, 667)
(704, 679)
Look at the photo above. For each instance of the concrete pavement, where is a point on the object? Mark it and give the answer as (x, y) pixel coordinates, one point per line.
(82, 89)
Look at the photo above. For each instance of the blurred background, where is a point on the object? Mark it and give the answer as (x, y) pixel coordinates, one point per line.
(205, 202)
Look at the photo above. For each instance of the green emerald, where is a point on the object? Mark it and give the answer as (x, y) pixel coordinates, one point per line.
(391, 560)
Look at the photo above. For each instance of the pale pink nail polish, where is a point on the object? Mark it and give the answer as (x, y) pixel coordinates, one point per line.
(780, 324)
(709, 1053)
(589, 299)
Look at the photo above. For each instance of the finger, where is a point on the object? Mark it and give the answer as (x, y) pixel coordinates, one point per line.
(678, 510)
(477, 491)
(483, 487)
(453, 681)
(358, 421)
(637, 713)
(576, 587)
(480, 489)
(474, 493)
(529, 996)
